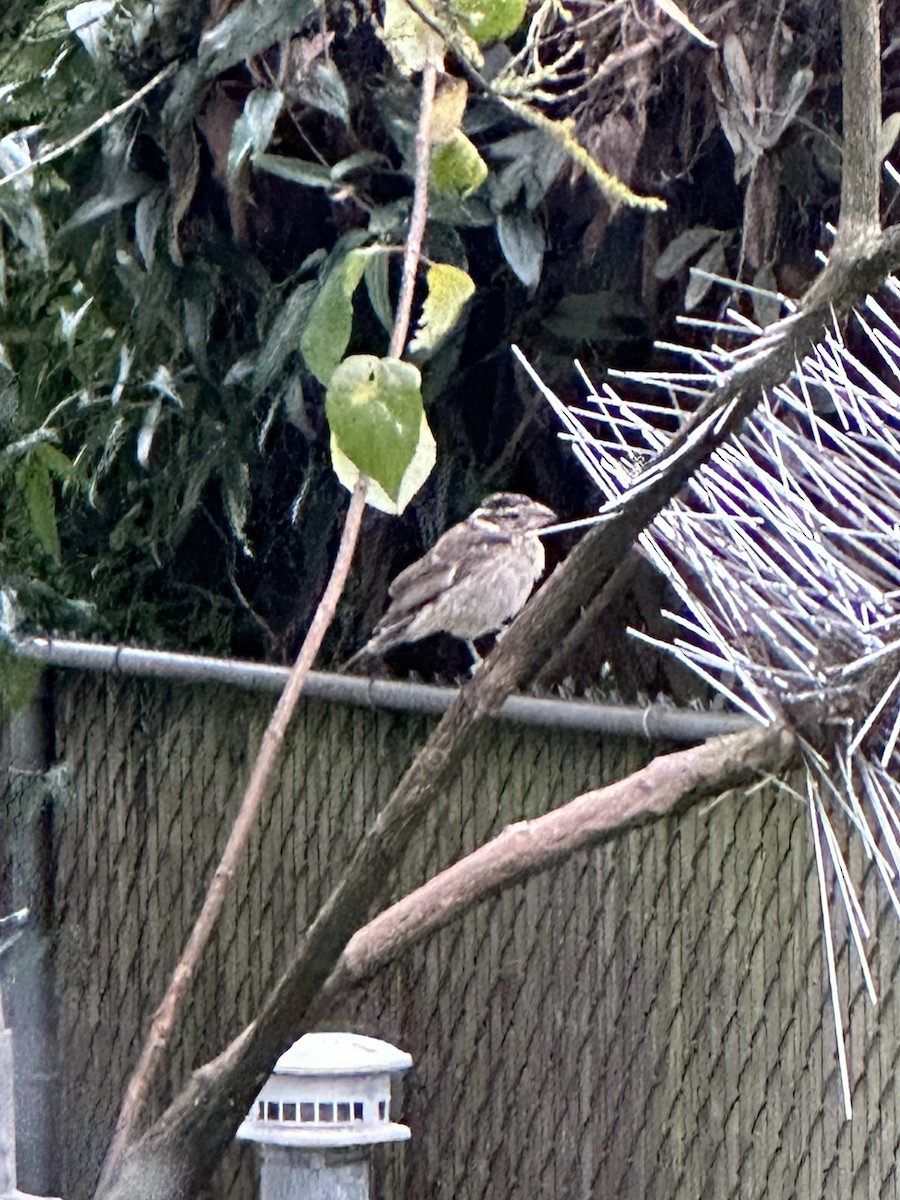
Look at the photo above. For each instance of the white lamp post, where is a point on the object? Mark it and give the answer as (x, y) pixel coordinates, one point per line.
(324, 1106)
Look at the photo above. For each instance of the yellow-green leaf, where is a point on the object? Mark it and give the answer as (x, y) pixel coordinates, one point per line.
(457, 169)
(19, 678)
(449, 288)
(54, 460)
(420, 467)
(36, 485)
(490, 20)
(374, 410)
(327, 331)
(890, 127)
(410, 42)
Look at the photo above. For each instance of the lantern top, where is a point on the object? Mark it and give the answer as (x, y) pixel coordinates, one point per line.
(328, 1090)
(341, 1054)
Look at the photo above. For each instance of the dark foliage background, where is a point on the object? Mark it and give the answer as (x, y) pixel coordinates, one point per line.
(166, 466)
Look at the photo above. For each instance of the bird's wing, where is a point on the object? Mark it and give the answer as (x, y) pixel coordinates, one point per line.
(456, 553)
(426, 578)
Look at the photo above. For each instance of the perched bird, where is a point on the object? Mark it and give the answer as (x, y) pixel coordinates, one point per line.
(474, 579)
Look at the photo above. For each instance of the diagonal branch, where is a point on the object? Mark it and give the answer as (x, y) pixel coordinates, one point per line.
(670, 783)
(208, 1110)
(162, 1027)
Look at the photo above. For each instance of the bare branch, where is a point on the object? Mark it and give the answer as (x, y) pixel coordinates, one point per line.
(160, 1034)
(668, 783)
(861, 168)
(419, 215)
(115, 1170)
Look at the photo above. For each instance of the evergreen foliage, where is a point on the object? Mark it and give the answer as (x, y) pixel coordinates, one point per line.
(177, 288)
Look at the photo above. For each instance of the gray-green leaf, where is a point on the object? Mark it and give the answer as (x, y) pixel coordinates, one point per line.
(521, 237)
(327, 332)
(283, 336)
(374, 410)
(254, 128)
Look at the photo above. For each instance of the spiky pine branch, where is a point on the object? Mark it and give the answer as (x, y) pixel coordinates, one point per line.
(783, 551)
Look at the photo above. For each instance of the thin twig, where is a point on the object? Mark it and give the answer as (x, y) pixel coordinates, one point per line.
(164, 1020)
(163, 1024)
(108, 117)
(419, 215)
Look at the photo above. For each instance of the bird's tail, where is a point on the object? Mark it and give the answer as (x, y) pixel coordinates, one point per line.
(378, 645)
(364, 654)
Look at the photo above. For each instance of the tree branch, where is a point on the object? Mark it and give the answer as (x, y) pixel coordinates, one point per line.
(107, 118)
(208, 1110)
(861, 81)
(118, 1173)
(419, 214)
(670, 782)
(162, 1027)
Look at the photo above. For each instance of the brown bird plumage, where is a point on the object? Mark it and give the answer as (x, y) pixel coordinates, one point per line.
(474, 579)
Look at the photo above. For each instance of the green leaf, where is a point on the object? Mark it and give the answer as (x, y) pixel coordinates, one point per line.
(248, 30)
(117, 192)
(324, 89)
(711, 260)
(254, 128)
(359, 161)
(457, 169)
(19, 678)
(148, 217)
(766, 308)
(296, 170)
(449, 289)
(683, 248)
(408, 39)
(35, 483)
(55, 461)
(533, 160)
(378, 287)
(490, 20)
(283, 336)
(147, 432)
(236, 491)
(420, 467)
(374, 410)
(327, 331)
(890, 128)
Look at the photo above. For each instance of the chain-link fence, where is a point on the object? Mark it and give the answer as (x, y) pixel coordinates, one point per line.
(649, 1019)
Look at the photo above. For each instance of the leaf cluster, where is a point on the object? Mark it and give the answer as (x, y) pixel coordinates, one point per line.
(179, 291)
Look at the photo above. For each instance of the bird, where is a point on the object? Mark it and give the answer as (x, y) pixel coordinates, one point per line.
(475, 578)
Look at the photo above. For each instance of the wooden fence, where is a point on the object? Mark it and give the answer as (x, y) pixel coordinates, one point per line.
(648, 1020)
